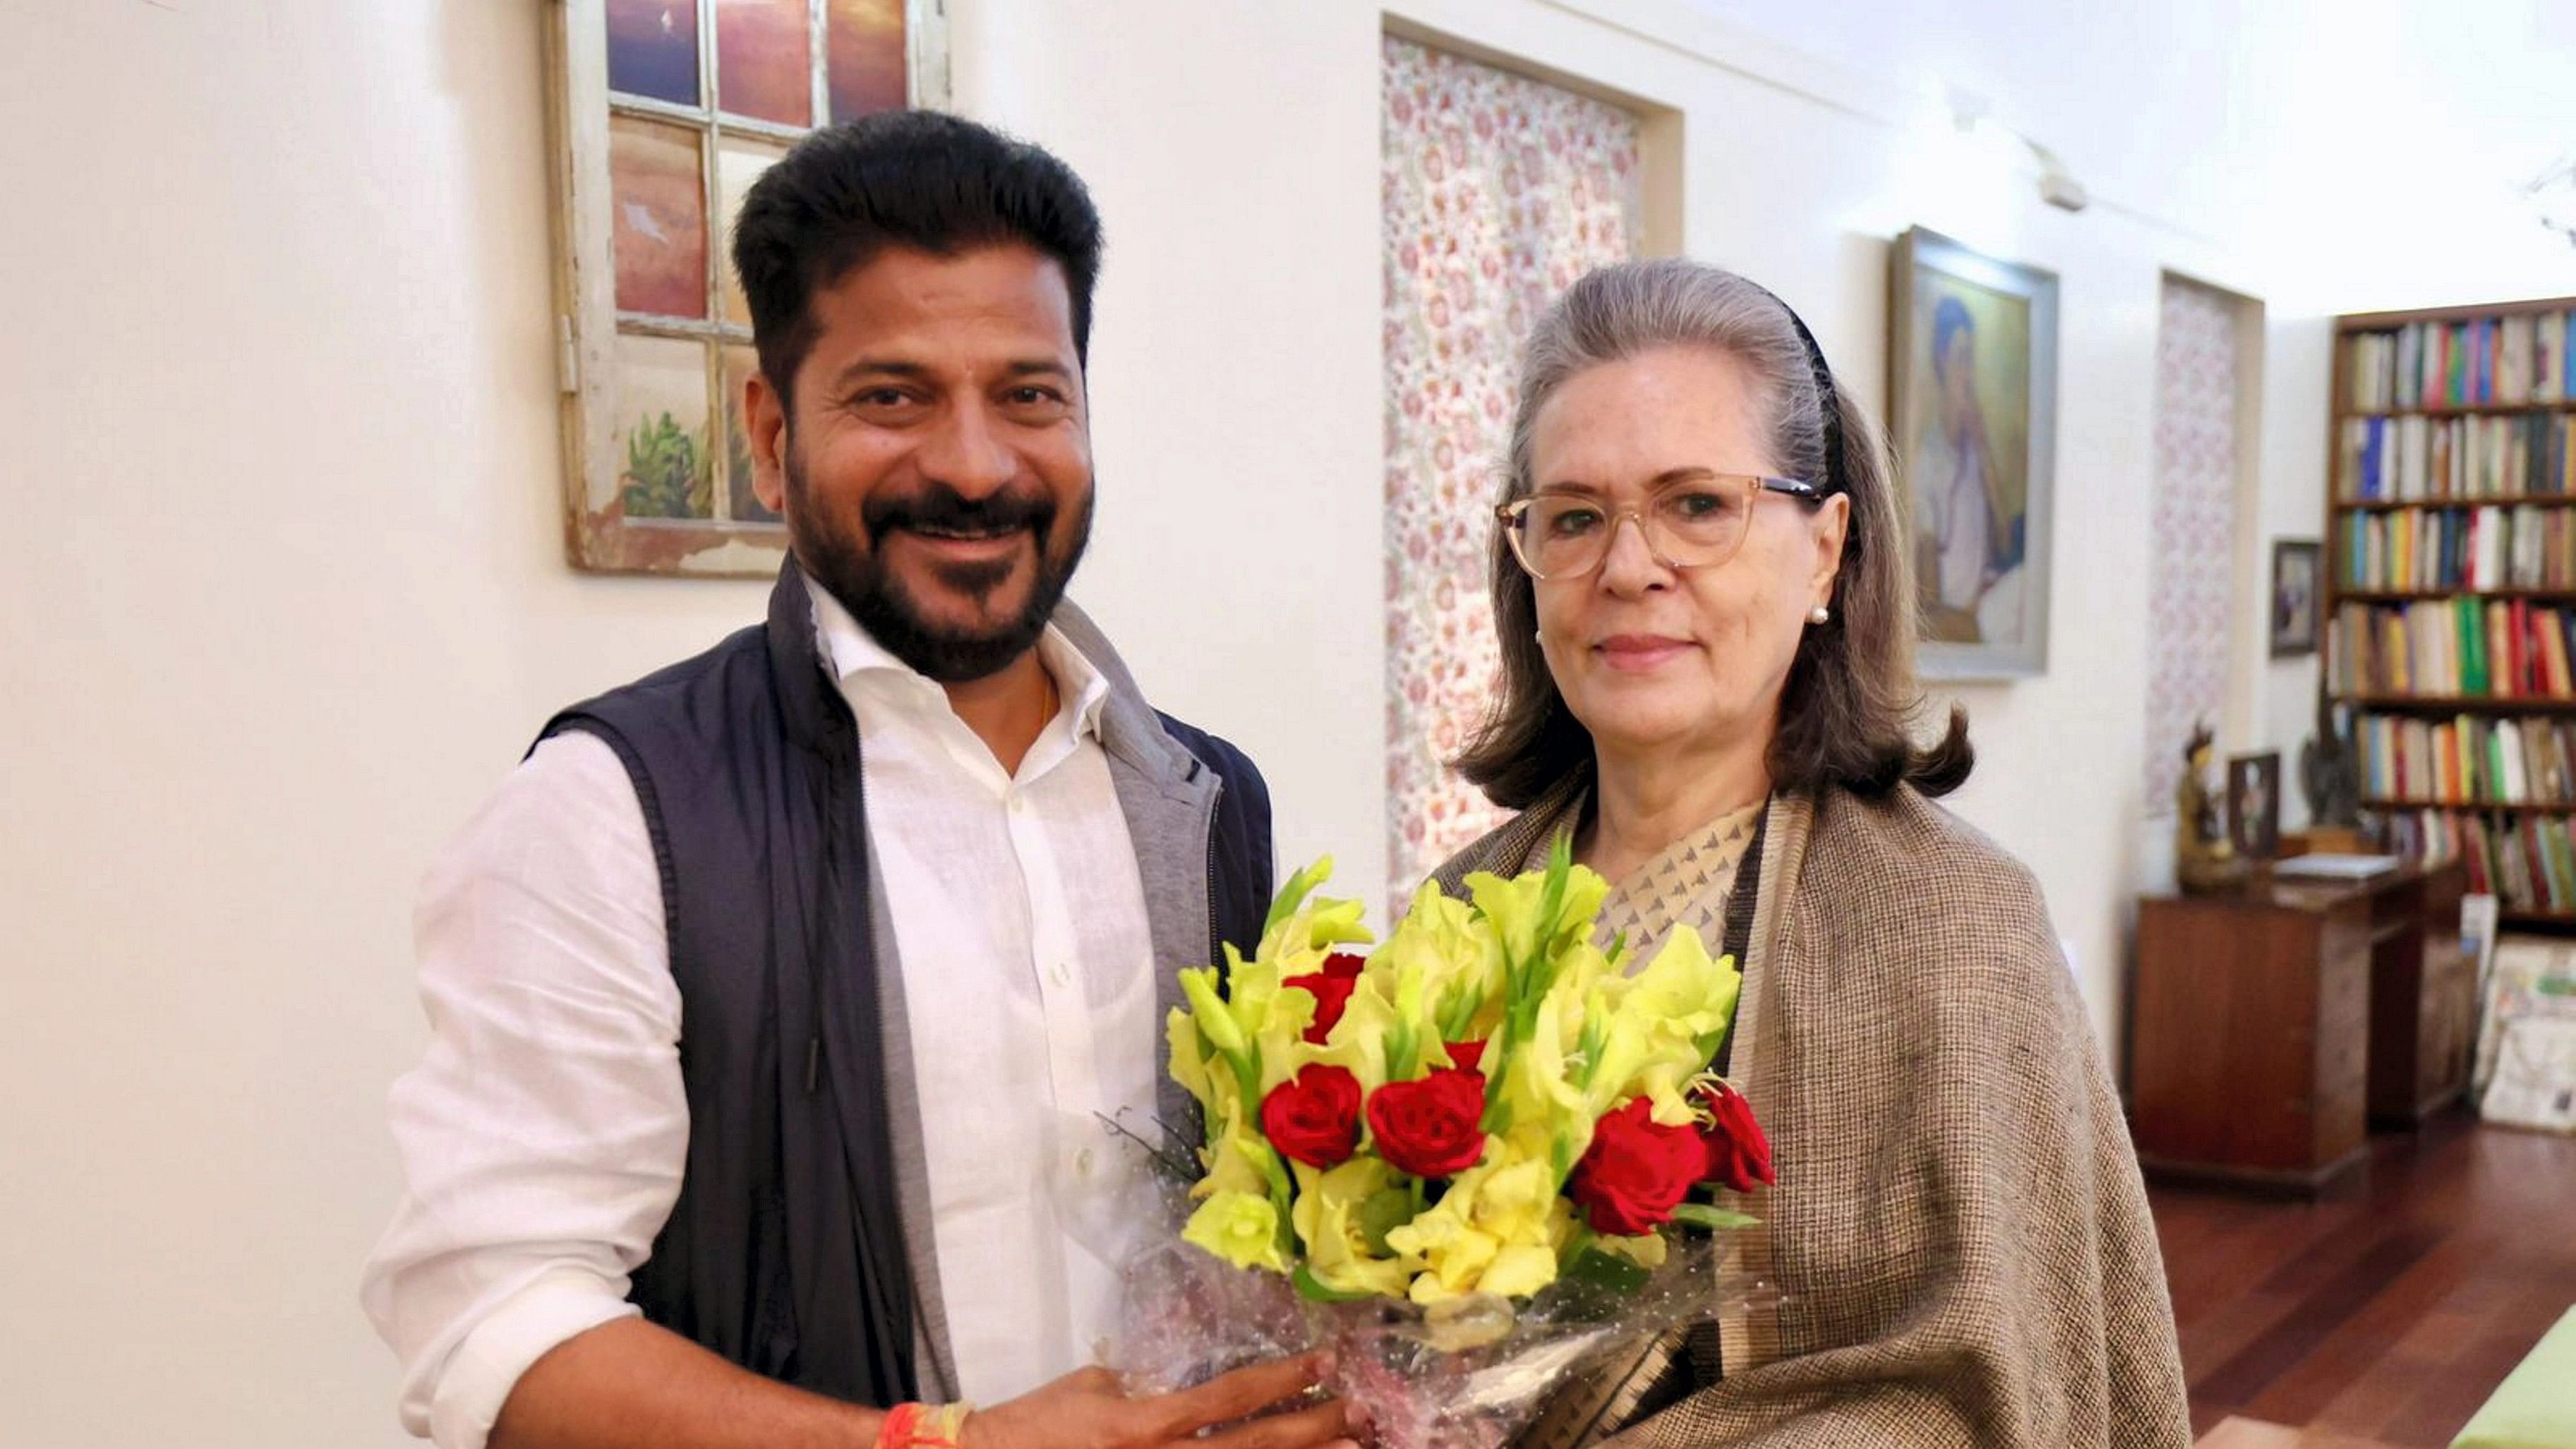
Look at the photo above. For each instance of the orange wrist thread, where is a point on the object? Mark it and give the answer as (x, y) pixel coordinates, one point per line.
(923, 1426)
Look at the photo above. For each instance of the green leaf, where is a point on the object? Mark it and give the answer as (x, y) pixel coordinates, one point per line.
(1382, 1213)
(1701, 1215)
(1315, 1292)
(1606, 1271)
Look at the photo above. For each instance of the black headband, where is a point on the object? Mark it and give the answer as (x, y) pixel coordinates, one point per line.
(1825, 399)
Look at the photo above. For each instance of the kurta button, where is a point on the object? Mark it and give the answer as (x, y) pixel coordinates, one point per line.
(1062, 976)
(1082, 1162)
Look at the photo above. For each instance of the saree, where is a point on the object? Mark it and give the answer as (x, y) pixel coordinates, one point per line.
(1958, 1237)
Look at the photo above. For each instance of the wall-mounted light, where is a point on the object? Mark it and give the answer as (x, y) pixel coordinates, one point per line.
(1974, 116)
(2057, 185)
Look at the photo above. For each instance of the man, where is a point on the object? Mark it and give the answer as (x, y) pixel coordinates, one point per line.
(781, 1002)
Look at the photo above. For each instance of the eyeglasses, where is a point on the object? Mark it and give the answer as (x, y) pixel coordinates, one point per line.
(1691, 525)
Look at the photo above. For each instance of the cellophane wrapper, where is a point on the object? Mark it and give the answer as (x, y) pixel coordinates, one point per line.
(1468, 1374)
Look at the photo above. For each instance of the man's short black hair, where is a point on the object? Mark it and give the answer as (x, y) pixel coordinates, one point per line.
(921, 179)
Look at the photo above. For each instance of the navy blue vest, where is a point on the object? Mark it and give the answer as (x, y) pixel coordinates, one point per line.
(785, 1251)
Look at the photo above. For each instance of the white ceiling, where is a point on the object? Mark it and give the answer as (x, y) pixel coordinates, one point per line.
(2357, 152)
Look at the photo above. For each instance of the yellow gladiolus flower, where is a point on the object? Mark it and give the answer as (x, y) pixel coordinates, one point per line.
(1441, 968)
(1647, 1250)
(1358, 1041)
(1513, 1200)
(1494, 1232)
(1327, 1220)
(1515, 908)
(1304, 927)
(1279, 1038)
(1239, 1227)
(1215, 1018)
(1551, 1120)
(1518, 1271)
(1189, 1063)
(1455, 1253)
(1661, 1021)
(1239, 1162)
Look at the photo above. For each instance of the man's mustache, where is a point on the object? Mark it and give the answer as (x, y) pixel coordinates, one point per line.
(938, 506)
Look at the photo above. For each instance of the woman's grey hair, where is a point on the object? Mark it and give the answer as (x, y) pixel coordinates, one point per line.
(1848, 711)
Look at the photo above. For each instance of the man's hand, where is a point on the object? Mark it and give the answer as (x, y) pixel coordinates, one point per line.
(1086, 1410)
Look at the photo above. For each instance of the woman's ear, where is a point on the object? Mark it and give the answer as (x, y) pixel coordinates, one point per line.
(1830, 526)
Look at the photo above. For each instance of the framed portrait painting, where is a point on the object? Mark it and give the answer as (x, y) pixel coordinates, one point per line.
(1972, 420)
(2297, 592)
(2254, 804)
(663, 114)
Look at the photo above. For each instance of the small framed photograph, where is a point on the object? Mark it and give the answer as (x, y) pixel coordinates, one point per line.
(2297, 595)
(2254, 804)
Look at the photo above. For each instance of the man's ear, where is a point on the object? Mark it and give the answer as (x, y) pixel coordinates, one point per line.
(765, 411)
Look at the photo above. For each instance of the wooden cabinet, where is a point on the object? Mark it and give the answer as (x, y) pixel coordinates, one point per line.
(2423, 1002)
(2254, 1034)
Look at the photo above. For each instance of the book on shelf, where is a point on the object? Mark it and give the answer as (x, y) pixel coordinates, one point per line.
(2451, 557)
(2471, 760)
(2525, 546)
(2460, 647)
(2507, 361)
(2528, 860)
(2415, 458)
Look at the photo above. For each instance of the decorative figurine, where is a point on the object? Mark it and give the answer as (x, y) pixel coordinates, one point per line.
(2204, 860)
(2330, 772)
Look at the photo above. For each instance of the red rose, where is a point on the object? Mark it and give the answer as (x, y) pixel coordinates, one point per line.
(1433, 1127)
(1314, 1116)
(1636, 1171)
(1467, 1056)
(1331, 988)
(1738, 1154)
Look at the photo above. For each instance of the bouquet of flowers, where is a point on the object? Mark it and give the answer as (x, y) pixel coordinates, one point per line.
(1466, 1158)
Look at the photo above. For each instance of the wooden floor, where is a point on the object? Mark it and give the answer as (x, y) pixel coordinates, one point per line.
(2384, 1313)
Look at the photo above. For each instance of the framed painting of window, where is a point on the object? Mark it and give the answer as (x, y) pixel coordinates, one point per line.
(663, 113)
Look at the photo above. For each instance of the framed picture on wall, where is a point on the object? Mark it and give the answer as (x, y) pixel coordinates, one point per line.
(2296, 591)
(2254, 804)
(663, 113)
(1972, 420)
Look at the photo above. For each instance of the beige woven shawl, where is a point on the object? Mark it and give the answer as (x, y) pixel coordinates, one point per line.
(1959, 1241)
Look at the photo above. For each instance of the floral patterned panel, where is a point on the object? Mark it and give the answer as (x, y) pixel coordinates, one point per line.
(1498, 192)
(2191, 584)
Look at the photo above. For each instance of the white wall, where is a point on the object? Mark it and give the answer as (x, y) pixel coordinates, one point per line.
(280, 395)
(2291, 504)
(290, 595)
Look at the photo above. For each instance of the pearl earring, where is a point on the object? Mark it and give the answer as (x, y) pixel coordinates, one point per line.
(1538, 636)
(1820, 615)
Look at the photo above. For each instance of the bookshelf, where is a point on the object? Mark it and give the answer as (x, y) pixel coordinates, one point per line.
(2450, 589)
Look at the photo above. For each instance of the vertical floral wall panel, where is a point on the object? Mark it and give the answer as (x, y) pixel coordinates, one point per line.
(2191, 583)
(1499, 191)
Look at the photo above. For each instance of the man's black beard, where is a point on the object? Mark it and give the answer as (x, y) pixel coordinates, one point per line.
(882, 605)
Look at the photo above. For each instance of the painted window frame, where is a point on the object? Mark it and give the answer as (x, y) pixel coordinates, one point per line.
(588, 323)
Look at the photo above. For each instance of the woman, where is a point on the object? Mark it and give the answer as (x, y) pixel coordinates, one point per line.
(1700, 581)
